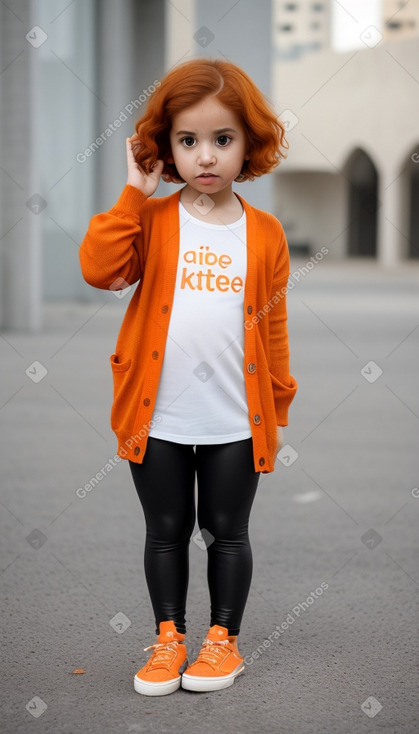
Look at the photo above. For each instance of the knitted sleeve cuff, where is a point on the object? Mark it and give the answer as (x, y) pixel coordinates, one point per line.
(130, 201)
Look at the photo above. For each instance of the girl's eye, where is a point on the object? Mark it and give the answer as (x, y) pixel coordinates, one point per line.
(222, 140)
(187, 141)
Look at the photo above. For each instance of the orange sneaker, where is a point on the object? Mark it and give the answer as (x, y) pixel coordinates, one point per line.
(217, 664)
(162, 672)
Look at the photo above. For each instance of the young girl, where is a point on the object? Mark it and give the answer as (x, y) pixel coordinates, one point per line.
(201, 366)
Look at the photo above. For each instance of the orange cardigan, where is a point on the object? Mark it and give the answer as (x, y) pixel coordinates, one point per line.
(138, 240)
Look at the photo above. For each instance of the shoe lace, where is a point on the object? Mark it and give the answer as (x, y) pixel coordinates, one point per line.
(163, 654)
(212, 651)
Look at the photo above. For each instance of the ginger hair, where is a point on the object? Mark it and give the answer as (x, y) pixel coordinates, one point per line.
(193, 81)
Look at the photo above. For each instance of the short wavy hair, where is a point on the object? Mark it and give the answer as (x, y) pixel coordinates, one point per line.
(189, 83)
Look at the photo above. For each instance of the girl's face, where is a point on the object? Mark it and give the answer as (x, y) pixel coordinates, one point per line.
(207, 138)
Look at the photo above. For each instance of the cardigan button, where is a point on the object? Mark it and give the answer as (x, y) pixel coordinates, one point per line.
(251, 367)
(146, 401)
(256, 419)
(155, 354)
(249, 309)
(261, 461)
(137, 451)
(165, 309)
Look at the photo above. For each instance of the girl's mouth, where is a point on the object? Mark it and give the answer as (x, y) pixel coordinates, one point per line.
(207, 177)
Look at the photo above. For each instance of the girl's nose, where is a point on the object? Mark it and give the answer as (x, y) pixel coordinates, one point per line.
(206, 154)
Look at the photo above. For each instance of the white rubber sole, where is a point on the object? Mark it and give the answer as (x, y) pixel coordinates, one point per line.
(201, 683)
(154, 688)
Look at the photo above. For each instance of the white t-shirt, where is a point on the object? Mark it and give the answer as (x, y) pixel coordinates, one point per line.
(201, 397)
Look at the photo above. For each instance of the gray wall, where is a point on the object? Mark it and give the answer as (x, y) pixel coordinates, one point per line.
(20, 170)
(127, 55)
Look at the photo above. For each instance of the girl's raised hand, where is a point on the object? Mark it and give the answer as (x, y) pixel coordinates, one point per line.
(136, 176)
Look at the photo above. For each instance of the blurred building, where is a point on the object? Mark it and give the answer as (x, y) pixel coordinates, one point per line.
(351, 178)
(400, 19)
(299, 28)
(76, 76)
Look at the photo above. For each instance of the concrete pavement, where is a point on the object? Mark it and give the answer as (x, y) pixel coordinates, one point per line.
(329, 633)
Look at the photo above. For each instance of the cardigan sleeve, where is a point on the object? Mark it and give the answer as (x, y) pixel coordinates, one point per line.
(283, 384)
(109, 252)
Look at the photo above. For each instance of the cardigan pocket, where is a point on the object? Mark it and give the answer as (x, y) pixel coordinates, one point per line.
(122, 393)
(118, 366)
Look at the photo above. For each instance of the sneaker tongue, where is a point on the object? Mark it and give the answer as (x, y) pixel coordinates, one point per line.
(168, 632)
(217, 633)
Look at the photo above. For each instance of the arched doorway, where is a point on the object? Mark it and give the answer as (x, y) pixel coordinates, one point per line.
(363, 205)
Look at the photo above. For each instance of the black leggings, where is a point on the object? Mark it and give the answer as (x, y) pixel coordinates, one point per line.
(227, 483)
